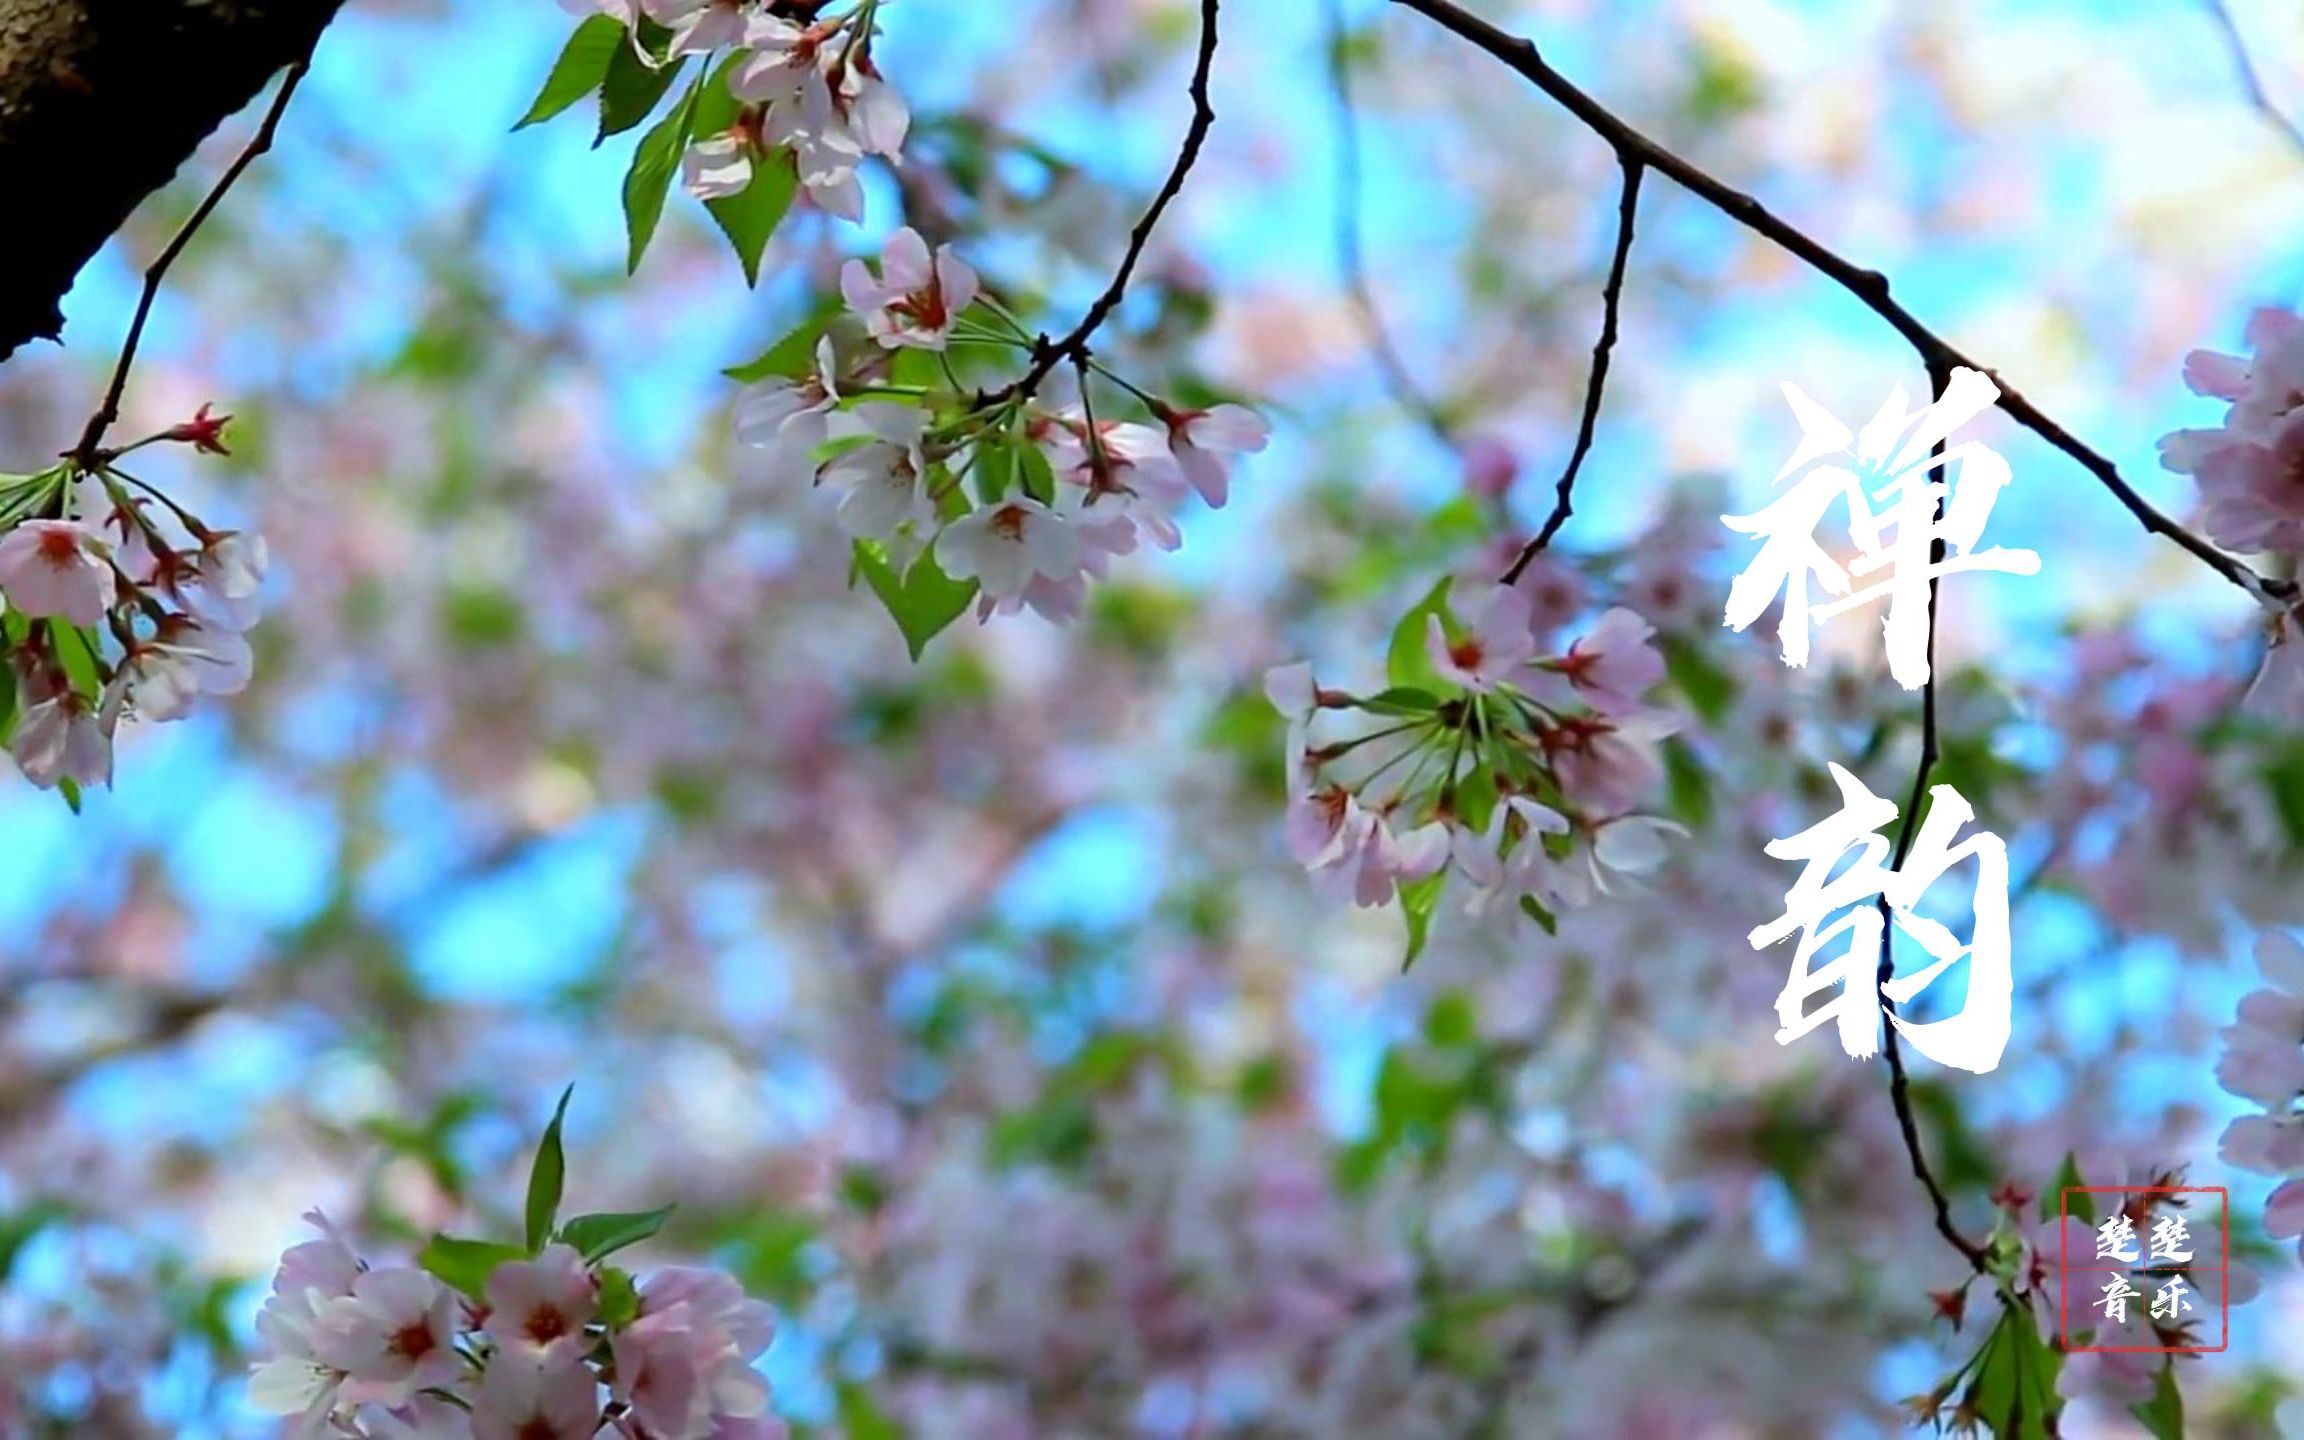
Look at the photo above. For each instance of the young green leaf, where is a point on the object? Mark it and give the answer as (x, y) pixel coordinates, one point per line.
(792, 356)
(922, 601)
(2163, 1414)
(580, 70)
(1418, 899)
(632, 87)
(1406, 665)
(602, 1235)
(654, 163)
(2054, 1201)
(619, 1298)
(547, 1177)
(466, 1264)
(751, 215)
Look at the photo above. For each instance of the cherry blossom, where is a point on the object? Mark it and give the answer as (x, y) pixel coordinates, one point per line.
(791, 418)
(883, 482)
(392, 1336)
(537, 1393)
(1495, 646)
(1200, 441)
(915, 299)
(541, 1301)
(56, 567)
(1006, 546)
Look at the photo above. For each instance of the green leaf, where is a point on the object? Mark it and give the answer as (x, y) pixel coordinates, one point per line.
(1418, 899)
(599, 1236)
(750, 216)
(996, 468)
(619, 1298)
(69, 788)
(1451, 1022)
(2163, 1414)
(632, 87)
(2068, 1178)
(1710, 689)
(792, 356)
(654, 163)
(580, 70)
(922, 601)
(1401, 700)
(466, 1264)
(7, 703)
(1037, 476)
(1405, 663)
(75, 650)
(547, 1177)
(1534, 910)
(861, 1418)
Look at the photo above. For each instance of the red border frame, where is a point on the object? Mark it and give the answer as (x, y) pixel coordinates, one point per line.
(2064, 1269)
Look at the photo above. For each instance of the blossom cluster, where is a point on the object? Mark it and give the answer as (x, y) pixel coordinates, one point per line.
(119, 603)
(485, 1341)
(2250, 471)
(808, 96)
(1525, 768)
(2263, 1061)
(1019, 502)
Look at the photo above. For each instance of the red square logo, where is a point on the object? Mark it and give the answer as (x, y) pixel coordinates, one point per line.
(2152, 1278)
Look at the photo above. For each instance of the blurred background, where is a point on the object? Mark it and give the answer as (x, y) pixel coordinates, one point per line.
(971, 1010)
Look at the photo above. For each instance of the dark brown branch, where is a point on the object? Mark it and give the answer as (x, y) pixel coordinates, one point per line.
(1351, 259)
(1047, 354)
(1611, 300)
(100, 103)
(86, 452)
(1900, 1083)
(2251, 83)
(1869, 286)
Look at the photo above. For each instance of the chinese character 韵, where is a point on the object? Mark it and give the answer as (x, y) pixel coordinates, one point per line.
(1970, 1040)
(1927, 526)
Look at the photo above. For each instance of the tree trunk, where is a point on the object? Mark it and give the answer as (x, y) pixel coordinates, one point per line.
(100, 102)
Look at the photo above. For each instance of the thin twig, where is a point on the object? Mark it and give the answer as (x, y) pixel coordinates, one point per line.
(2251, 83)
(1611, 300)
(1867, 285)
(1351, 256)
(1900, 1083)
(1047, 354)
(86, 454)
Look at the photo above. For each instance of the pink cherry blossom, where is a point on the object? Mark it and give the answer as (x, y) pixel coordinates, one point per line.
(1495, 646)
(531, 1393)
(1003, 546)
(1607, 766)
(883, 482)
(698, 24)
(56, 567)
(914, 300)
(1525, 868)
(1613, 665)
(2264, 1047)
(392, 1336)
(539, 1301)
(1368, 860)
(1201, 439)
(61, 736)
(791, 418)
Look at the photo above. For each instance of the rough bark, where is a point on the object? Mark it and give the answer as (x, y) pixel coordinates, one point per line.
(100, 102)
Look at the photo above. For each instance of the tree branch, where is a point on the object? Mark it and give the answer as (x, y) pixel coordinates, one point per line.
(1047, 354)
(1900, 1083)
(1867, 285)
(100, 103)
(1351, 260)
(1611, 298)
(86, 452)
(2251, 83)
